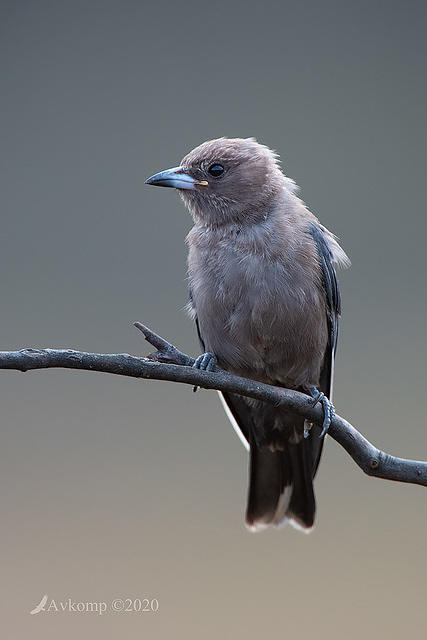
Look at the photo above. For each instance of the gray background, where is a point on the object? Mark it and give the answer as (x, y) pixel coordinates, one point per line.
(119, 488)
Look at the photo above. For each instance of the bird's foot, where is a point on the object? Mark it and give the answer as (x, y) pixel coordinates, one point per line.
(328, 408)
(204, 362)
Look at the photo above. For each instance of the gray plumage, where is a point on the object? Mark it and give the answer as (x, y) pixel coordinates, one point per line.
(264, 295)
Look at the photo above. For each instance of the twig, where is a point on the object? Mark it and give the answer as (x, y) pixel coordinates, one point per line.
(168, 363)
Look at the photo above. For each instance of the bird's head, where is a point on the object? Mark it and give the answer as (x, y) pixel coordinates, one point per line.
(229, 180)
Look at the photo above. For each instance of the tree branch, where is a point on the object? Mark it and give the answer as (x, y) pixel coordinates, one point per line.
(168, 363)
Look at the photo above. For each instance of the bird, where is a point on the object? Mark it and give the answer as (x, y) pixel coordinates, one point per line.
(264, 295)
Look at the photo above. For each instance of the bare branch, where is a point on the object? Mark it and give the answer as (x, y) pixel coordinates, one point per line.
(168, 363)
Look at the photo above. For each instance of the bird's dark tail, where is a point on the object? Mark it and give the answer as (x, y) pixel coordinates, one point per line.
(281, 486)
(282, 463)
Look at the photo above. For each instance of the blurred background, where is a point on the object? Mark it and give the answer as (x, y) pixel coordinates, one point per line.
(114, 487)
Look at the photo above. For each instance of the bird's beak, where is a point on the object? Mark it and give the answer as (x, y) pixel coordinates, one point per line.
(176, 178)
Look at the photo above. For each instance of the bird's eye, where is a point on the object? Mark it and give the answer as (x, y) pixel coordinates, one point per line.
(216, 170)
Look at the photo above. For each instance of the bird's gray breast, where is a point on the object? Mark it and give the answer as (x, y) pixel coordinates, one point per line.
(261, 314)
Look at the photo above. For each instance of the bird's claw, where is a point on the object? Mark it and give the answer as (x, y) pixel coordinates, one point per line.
(205, 362)
(328, 409)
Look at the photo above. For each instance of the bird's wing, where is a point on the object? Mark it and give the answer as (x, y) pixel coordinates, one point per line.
(193, 313)
(233, 405)
(239, 414)
(333, 299)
